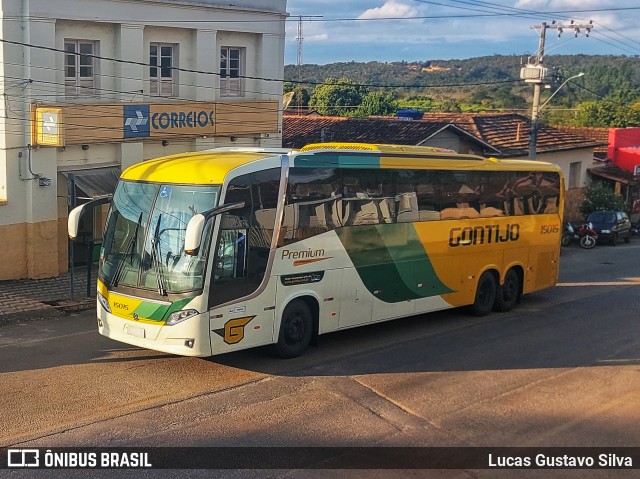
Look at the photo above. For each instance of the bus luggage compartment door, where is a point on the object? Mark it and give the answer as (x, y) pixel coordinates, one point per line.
(356, 302)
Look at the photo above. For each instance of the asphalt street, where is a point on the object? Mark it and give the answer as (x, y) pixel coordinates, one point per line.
(562, 369)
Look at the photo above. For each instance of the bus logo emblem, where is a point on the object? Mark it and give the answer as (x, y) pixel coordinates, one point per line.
(233, 331)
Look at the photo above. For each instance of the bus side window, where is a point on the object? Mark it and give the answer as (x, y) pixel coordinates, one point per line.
(492, 197)
(415, 196)
(368, 196)
(531, 192)
(313, 204)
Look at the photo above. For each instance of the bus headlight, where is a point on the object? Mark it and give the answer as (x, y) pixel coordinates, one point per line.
(179, 316)
(104, 302)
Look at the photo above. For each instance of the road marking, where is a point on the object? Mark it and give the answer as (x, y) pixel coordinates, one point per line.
(624, 282)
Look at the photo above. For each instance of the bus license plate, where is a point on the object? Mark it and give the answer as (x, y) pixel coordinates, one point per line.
(136, 331)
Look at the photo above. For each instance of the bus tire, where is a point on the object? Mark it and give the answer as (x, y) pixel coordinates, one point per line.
(508, 293)
(485, 294)
(296, 329)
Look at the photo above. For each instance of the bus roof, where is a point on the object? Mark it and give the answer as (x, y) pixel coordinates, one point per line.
(212, 166)
(203, 167)
(383, 148)
(353, 155)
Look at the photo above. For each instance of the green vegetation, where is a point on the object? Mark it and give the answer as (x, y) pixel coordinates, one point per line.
(600, 198)
(608, 95)
(337, 97)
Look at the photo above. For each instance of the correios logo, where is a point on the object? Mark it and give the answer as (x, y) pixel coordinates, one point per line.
(136, 121)
(141, 120)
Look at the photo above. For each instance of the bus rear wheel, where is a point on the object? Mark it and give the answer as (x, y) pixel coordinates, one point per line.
(508, 293)
(485, 295)
(296, 329)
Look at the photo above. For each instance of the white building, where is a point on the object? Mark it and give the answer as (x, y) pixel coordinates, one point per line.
(93, 86)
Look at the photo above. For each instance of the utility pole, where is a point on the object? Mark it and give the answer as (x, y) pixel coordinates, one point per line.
(300, 41)
(535, 72)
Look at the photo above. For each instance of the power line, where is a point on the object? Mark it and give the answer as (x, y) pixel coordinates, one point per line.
(188, 70)
(596, 37)
(129, 62)
(494, 14)
(497, 11)
(509, 11)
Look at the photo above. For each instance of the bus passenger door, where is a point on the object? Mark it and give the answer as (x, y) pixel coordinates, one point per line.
(241, 298)
(238, 271)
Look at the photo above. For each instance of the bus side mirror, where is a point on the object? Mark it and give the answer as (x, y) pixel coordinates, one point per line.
(73, 223)
(195, 226)
(193, 234)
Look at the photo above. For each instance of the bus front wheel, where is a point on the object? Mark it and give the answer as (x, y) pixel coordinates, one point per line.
(296, 329)
(485, 294)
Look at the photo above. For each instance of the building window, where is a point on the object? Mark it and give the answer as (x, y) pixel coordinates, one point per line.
(162, 70)
(231, 71)
(574, 174)
(80, 68)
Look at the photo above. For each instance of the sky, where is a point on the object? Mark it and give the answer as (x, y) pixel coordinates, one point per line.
(422, 30)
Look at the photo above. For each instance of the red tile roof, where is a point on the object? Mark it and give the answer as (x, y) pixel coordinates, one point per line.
(600, 135)
(500, 134)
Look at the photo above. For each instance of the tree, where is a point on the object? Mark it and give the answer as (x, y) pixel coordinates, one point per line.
(425, 103)
(607, 113)
(377, 103)
(449, 106)
(337, 97)
(601, 198)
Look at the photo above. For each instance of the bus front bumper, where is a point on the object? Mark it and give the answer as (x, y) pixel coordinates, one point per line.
(188, 338)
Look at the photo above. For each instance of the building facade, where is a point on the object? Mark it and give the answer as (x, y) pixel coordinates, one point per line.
(621, 172)
(95, 86)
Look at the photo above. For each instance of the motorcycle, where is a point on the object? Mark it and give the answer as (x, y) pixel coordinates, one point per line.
(568, 234)
(584, 234)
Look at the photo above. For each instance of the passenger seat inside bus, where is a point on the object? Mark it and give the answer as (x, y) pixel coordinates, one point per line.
(463, 210)
(409, 211)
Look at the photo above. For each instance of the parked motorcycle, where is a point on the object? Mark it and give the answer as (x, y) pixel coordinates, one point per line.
(588, 236)
(584, 235)
(568, 234)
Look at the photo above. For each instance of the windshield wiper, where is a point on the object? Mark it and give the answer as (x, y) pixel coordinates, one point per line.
(127, 252)
(156, 262)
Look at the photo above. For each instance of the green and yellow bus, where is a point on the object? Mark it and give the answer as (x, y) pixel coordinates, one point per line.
(222, 250)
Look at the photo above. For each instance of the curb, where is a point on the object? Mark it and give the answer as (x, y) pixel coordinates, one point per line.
(50, 310)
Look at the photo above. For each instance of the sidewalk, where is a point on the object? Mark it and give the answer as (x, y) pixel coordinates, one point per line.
(30, 299)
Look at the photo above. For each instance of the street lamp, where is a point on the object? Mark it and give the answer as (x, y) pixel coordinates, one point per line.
(533, 133)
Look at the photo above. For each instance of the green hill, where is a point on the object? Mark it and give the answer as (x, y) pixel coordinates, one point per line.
(492, 81)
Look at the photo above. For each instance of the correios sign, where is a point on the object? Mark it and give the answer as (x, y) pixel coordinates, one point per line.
(153, 120)
(110, 123)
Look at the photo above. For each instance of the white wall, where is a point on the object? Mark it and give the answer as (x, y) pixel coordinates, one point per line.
(565, 158)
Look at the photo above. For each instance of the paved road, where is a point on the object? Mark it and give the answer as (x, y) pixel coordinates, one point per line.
(560, 370)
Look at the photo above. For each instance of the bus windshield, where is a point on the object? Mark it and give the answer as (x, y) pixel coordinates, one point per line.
(143, 245)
